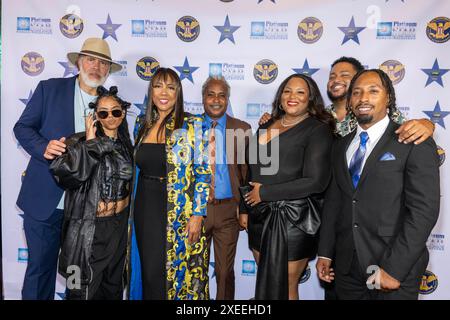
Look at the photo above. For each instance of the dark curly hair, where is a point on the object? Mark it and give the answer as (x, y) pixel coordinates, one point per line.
(122, 132)
(385, 81)
(316, 106)
(353, 61)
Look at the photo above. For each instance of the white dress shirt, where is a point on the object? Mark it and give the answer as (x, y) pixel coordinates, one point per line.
(81, 108)
(375, 132)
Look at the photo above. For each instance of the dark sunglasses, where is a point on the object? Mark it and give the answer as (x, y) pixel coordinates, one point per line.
(104, 114)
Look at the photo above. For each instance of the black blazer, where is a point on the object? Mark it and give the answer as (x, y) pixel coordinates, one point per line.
(387, 219)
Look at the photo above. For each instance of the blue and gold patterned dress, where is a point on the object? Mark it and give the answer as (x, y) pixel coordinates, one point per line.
(185, 266)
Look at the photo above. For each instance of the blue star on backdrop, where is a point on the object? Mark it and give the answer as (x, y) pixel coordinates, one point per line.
(25, 101)
(306, 70)
(140, 117)
(213, 265)
(109, 28)
(68, 68)
(351, 32)
(186, 71)
(142, 106)
(435, 74)
(227, 30)
(437, 116)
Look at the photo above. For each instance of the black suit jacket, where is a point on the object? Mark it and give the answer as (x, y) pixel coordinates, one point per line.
(387, 219)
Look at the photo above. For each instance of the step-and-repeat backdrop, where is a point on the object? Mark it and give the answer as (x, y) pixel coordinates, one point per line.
(254, 44)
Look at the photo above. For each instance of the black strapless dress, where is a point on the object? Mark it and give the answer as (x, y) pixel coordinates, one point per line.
(150, 219)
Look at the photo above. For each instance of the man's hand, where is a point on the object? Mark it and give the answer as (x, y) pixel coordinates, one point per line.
(193, 228)
(383, 281)
(252, 198)
(55, 148)
(416, 131)
(264, 118)
(324, 271)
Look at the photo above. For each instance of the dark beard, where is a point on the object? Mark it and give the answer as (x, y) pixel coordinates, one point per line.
(365, 119)
(334, 98)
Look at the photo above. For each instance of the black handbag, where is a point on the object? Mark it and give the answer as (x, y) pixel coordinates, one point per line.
(243, 190)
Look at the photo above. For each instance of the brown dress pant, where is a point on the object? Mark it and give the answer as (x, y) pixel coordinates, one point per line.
(222, 226)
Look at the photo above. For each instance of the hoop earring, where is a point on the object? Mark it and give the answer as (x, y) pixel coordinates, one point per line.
(280, 107)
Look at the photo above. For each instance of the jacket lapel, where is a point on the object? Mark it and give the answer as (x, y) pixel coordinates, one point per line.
(233, 170)
(229, 125)
(342, 158)
(68, 106)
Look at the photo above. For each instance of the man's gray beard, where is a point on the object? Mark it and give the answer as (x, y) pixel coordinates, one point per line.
(91, 83)
(365, 119)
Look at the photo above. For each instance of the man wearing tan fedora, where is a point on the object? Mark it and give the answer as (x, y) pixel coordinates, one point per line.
(55, 111)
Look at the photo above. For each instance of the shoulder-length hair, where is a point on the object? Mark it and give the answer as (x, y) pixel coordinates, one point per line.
(151, 114)
(316, 106)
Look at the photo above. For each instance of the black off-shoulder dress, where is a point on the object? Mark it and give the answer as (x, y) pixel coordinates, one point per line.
(300, 167)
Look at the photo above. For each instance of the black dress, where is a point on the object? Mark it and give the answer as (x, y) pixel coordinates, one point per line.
(302, 171)
(300, 168)
(150, 215)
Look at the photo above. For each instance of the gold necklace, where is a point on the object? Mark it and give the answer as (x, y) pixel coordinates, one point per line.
(286, 125)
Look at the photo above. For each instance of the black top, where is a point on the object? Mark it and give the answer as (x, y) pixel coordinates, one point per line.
(151, 159)
(116, 174)
(303, 161)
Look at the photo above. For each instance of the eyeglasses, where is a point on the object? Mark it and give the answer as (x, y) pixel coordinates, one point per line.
(116, 113)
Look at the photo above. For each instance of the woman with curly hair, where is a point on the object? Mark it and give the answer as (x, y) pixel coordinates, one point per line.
(96, 171)
(285, 204)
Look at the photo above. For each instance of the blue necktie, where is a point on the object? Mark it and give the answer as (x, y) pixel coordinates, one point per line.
(357, 159)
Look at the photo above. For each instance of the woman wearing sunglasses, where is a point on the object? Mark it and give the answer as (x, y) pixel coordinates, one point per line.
(96, 171)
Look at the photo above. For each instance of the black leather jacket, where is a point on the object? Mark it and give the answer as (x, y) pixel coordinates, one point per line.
(85, 171)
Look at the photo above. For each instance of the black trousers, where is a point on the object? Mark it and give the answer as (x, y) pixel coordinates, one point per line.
(107, 260)
(352, 286)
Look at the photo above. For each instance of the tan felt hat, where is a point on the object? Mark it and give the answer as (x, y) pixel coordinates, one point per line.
(98, 48)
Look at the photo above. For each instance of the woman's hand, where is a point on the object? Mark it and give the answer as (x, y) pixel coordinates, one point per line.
(264, 118)
(243, 221)
(194, 228)
(91, 129)
(252, 198)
